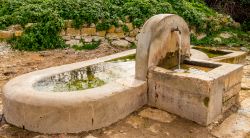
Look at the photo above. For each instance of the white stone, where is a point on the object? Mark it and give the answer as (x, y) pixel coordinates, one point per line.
(88, 39)
(226, 35)
(120, 43)
(196, 54)
(130, 39)
(158, 115)
(201, 36)
(72, 42)
(217, 39)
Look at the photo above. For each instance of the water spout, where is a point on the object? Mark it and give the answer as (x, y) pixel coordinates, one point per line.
(179, 48)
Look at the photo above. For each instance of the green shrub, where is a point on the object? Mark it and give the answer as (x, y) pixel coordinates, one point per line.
(48, 16)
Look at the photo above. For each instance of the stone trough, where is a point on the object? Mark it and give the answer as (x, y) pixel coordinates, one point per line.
(93, 94)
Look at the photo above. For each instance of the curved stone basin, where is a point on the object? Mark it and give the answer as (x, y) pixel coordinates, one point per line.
(45, 111)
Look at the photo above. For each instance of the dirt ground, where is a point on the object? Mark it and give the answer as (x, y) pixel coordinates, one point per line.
(152, 123)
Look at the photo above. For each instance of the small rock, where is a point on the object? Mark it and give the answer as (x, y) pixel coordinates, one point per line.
(66, 38)
(158, 115)
(201, 36)
(130, 39)
(217, 39)
(90, 136)
(78, 37)
(98, 38)
(244, 49)
(88, 39)
(28, 25)
(72, 42)
(154, 128)
(120, 22)
(92, 25)
(226, 35)
(120, 43)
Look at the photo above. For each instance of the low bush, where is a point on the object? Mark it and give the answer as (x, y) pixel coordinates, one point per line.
(48, 17)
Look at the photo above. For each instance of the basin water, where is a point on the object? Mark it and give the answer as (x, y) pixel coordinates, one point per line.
(96, 93)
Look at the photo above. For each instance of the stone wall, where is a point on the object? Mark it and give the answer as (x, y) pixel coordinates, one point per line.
(86, 33)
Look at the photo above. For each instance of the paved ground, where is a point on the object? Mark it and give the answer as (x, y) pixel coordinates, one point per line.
(144, 123)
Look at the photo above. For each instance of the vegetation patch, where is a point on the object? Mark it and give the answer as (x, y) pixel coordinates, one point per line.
(87, 46)
(48, 17)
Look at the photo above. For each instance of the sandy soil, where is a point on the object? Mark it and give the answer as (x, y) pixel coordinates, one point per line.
(136, 125)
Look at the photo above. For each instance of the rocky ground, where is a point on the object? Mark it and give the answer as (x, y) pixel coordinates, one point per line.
(144, 123)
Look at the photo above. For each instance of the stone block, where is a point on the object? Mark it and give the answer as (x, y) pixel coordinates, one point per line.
(72, 42)
(73, 32)
(62, 33)
(130, 26)
(115, 35)
(118, 30)
(6, 34)
(120, 43)
(101, 33)
(230, 102)
(134, 32)
(88, 31)
(18, 33)
(231, 92)
(111, 29)
(232, 79)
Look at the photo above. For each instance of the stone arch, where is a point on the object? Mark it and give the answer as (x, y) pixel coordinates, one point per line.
(157, 39)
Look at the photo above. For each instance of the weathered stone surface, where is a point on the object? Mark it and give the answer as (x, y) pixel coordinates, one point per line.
(237, 125)
(157, 38)
(111, 29)
(6, 34)
(67, 38)
(130, 39)
(226, 35)
(16, 27)
(74, 112)
(101, 33)
(73, 32)
(201, 36)
(88, 31)
(158, 115)
(72, 42)
(246, 78)
(63, 32)
(18, 33)
(234, 90)
(193, 96)
(130, 26)
(217, 39)
(120, 43)
(118, 30)
(78, 37)
(134, 32)
(88, 39)
(196, 54)
(230, 102)
(115, 35)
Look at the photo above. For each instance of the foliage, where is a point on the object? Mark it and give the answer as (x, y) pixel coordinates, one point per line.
(239, 38)
(48, 17)
(87, 46)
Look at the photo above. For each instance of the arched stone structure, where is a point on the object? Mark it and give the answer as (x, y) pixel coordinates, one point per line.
(158, 42)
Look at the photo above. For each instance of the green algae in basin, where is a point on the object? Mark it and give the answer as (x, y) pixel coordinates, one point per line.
(211, 53)
(80, 84)
(87, 77)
